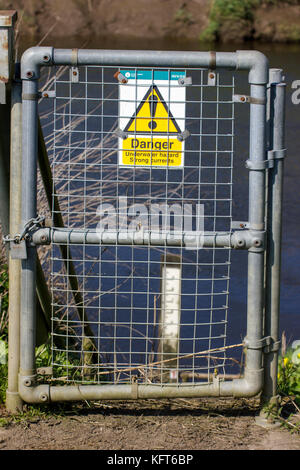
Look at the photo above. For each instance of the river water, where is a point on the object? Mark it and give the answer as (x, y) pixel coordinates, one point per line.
(287, 58)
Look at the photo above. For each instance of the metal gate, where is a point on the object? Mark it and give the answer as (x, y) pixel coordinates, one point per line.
(140, 234)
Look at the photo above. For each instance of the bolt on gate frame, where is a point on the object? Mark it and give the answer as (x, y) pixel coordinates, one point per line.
(261, 235)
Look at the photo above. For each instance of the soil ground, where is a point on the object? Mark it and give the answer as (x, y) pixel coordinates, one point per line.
(52, 21)
(200, 424)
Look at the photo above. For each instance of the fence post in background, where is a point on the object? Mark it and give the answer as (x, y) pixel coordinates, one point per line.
(274, 229)
(10, 111)
(13, 400)
(7, 22)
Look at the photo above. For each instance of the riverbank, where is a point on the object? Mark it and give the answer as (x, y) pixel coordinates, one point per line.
(224, 21)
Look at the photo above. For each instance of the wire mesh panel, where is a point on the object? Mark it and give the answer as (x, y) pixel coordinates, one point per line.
(139, 312)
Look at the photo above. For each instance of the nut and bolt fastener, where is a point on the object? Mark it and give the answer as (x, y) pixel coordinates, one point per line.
(46, 58)
(211, 75)
(43, 397)
(29, 74)
(243, 98)
(27, 382)
(43, 238)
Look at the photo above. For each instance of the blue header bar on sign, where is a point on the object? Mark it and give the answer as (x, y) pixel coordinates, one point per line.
(153, 74)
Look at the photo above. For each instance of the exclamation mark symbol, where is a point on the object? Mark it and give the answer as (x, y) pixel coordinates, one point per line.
(152, 100)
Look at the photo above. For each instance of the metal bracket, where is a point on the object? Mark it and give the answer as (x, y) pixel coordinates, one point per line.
(2, 92)
(74, 72)
(47, 94)
(267, 344)
(262, 165)
(18, 250)
(185, 81)
(248, 239)
(119, 133)
(239, 225)
(248, 99)
(45, 370)
(212, 78)
(134, 388)
(184, 135)
(121, 78)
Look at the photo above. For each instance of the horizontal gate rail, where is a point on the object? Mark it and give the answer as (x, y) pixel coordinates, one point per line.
(252, 239)
(240, 239)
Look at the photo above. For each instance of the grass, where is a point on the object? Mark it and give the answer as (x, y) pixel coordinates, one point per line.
(288, 388)
(3, 326)
(289, 374)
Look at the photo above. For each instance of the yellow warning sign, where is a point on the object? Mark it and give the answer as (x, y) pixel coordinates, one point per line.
(152, 151)
(152, 116)
(153, 135)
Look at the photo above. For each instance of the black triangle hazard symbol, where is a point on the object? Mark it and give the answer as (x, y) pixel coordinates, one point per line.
(152, 116)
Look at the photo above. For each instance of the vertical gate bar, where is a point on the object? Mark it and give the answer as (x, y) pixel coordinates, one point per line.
(13, 400)
(29, 210)
(274, 229)
(255, 299)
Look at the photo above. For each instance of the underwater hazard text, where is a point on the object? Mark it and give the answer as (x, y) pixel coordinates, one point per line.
(151, 118)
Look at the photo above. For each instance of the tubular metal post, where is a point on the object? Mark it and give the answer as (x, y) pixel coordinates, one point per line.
(7, 22)
(255, 301)
(274, 228)
(29, 174)
(13, 400)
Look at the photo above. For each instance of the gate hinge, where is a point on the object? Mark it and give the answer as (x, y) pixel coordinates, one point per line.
(260, 165)
(277, 154)
(248, 99)
(267, 344)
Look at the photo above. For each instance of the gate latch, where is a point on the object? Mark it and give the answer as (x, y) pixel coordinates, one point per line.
(17, 244)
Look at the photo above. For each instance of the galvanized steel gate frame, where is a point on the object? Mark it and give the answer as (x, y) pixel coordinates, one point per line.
(262, 238)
